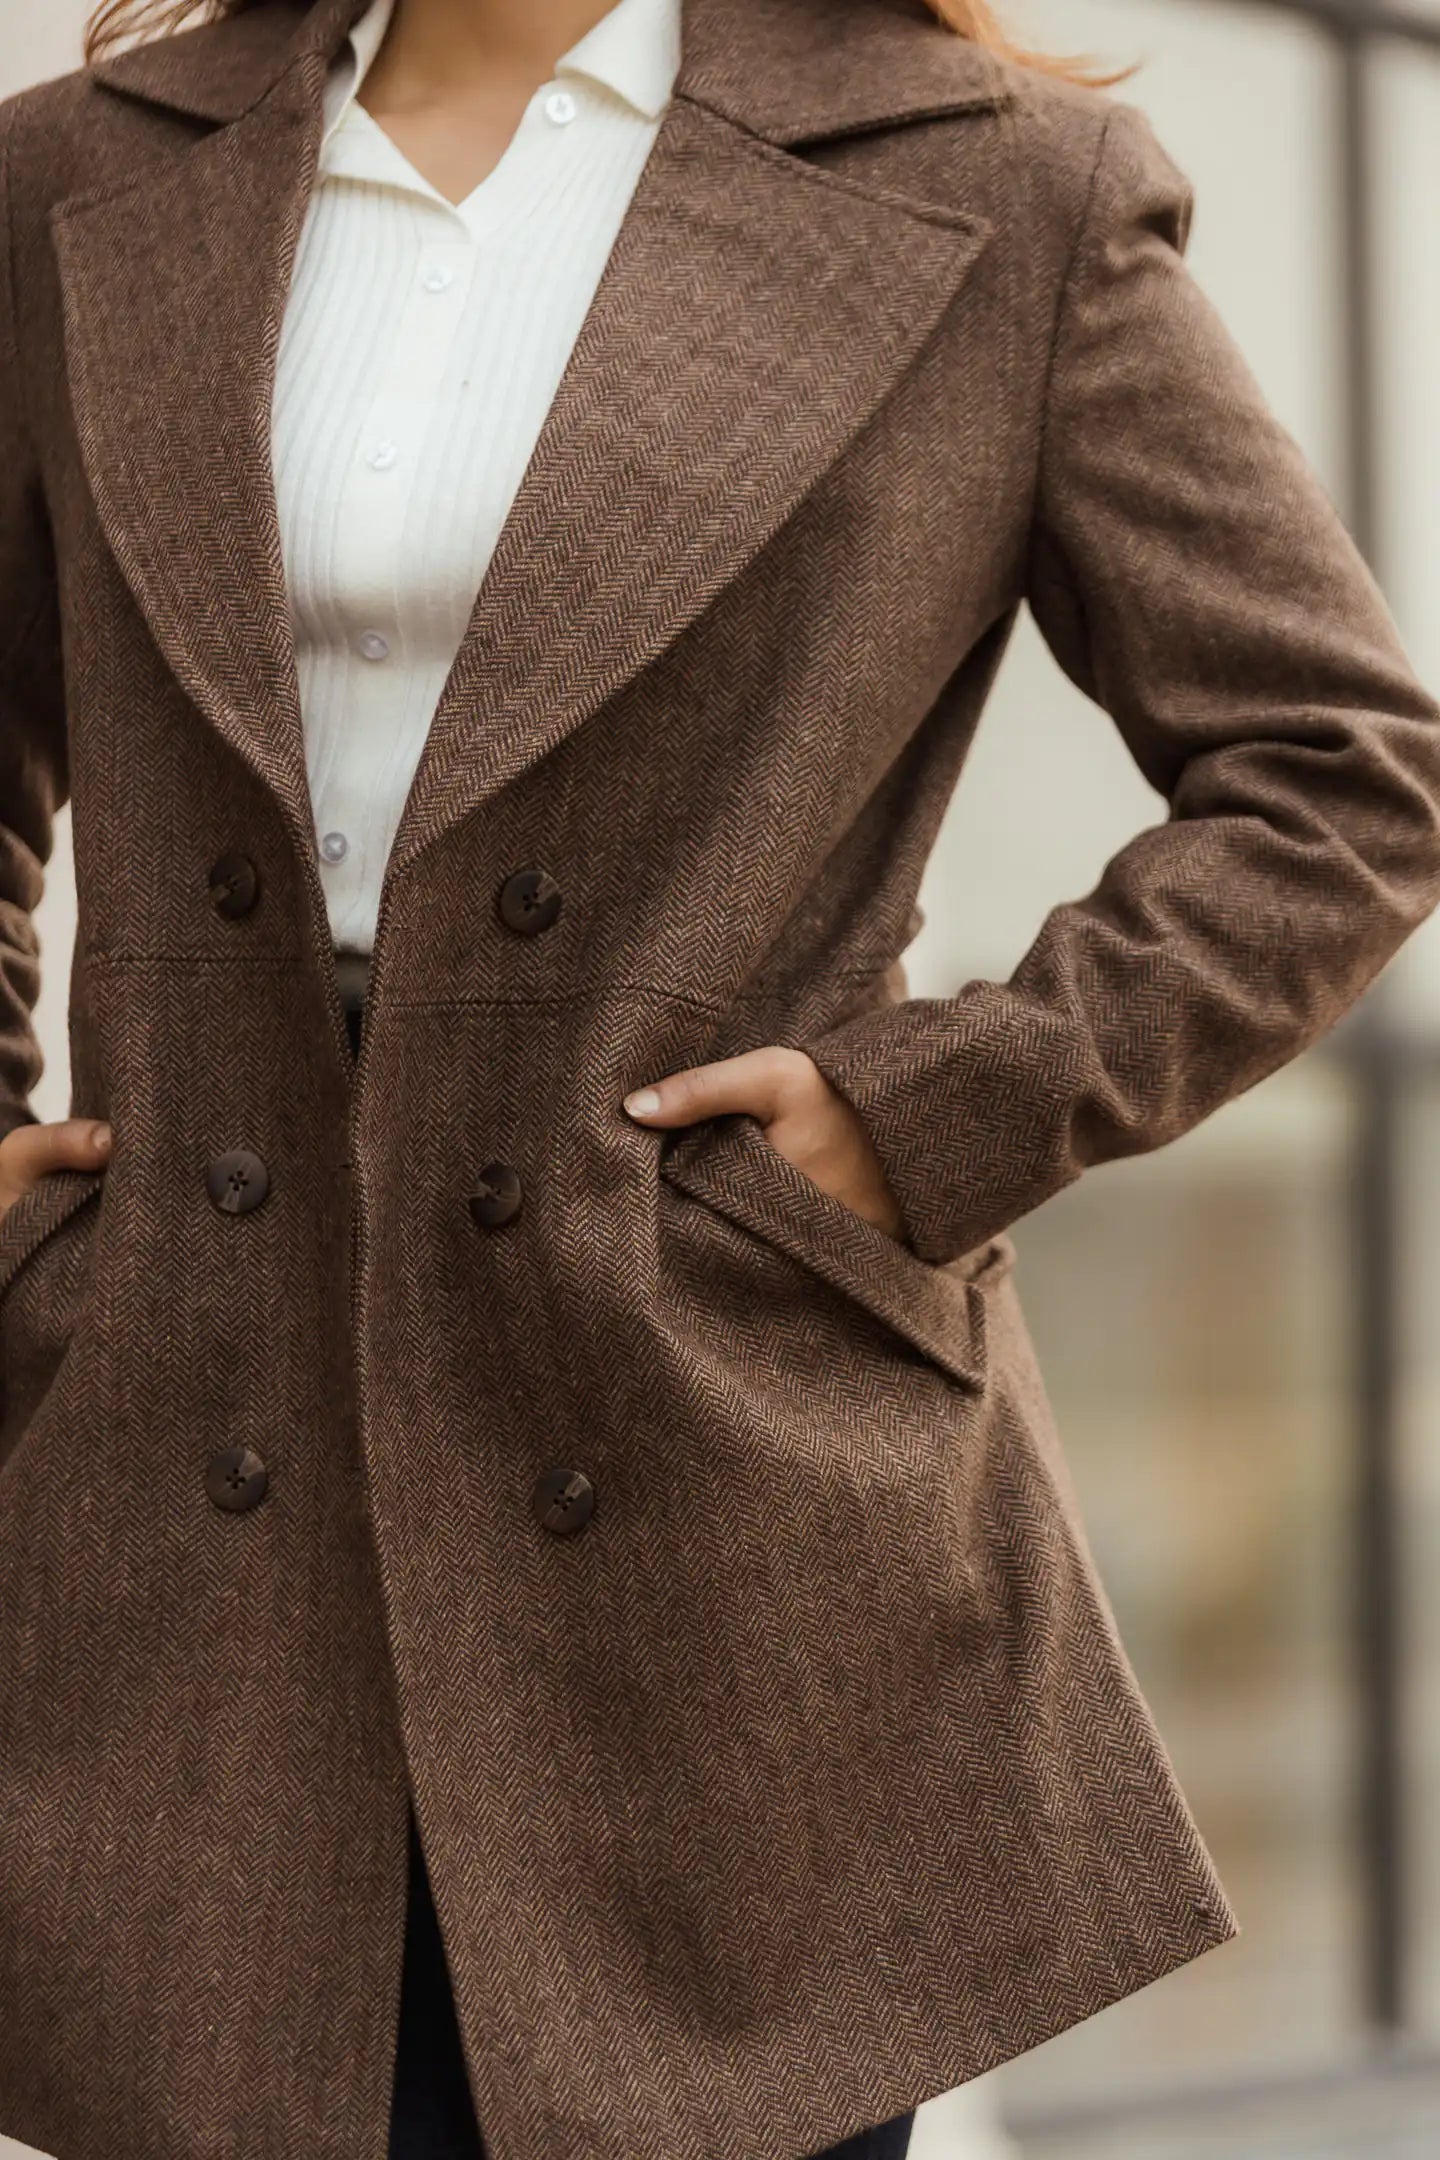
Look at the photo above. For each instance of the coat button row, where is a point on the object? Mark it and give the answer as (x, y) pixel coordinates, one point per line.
(238, 1181)
(529, 900)
(563, 1500)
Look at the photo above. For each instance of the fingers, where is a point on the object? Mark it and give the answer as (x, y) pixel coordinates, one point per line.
(27, 1153)
(761, 1081)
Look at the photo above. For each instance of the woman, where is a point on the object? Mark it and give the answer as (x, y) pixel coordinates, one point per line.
(510, 514)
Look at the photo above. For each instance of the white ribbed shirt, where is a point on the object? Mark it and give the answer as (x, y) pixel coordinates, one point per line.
(421, 349)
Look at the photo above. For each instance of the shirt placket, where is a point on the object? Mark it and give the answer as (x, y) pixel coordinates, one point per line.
(387, 463)
(394, 454)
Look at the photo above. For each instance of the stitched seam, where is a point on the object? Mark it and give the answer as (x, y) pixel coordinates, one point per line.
(119, 958)
(717, 1007)
(104, 955)
(116, 957)
(111, 958)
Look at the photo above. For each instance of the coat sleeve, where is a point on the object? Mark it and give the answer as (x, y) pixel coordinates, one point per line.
(1191, 575)
(34, 778)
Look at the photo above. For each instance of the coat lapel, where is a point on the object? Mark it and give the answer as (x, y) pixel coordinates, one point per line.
(174, 291)
(750, 317)
(752, 314)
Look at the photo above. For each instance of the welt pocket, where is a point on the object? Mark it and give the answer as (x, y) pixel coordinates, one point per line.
(38, 1212)
(728, 1164)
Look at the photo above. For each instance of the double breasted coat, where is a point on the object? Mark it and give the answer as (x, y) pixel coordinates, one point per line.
(703, 1556)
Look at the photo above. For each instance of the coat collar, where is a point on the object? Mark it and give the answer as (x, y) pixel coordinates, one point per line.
(753, 313)
(789, 70)
(222, 70)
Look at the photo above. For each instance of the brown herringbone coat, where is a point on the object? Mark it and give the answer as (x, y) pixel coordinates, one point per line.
(810, 1778)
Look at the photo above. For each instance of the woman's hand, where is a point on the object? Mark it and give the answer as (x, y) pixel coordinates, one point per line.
(27, 1153)
(807, 1119)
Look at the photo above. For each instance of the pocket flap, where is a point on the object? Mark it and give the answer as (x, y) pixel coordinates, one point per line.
(729, 1164)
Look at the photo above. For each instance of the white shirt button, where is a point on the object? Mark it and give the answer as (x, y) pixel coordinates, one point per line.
(560, 107)
(383, 456)
(374, 645)
(437, 277)
(333, 846)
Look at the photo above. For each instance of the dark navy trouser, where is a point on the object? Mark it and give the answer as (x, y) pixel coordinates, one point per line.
(432, 2117)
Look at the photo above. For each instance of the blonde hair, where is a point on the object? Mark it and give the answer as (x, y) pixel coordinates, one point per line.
(114, 20)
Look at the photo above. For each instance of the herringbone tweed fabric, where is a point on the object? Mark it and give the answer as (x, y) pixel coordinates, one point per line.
(810, 1778)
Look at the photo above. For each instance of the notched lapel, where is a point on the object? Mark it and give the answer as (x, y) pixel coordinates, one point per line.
(174, 292)
(753, 313)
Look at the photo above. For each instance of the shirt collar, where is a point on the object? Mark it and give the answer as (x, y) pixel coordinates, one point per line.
(634, 50)
(352, 63)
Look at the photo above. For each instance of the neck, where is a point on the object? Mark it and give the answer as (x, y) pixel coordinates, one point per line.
(437, 41)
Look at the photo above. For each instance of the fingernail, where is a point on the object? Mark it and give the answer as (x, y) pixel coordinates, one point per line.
(643, 1103)
(101, 1137)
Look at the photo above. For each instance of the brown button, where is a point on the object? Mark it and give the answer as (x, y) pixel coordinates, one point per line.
(563, 1500)
(529, 901)
(496, 1197)
(235, 1479)
(234, 886)
(237, 1182)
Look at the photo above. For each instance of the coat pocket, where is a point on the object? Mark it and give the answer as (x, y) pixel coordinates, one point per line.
(37, 1213)
(940, 1311)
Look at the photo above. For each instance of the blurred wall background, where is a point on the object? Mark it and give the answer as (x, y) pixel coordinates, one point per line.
(1236, 1331)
